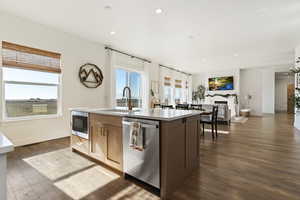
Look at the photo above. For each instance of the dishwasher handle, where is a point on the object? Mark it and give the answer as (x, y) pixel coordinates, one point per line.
(142, 124)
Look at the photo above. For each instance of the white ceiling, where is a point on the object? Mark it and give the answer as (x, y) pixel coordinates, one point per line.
(192, 35)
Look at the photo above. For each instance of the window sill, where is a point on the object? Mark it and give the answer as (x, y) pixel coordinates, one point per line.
(30, 118)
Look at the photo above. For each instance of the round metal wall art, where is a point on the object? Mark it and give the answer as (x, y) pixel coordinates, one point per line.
(90, 75)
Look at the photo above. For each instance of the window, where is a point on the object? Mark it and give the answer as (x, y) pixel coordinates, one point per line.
(167, 95)
(186, 92)
(31, 79)
(178, 95)
(167, 91)
(134, 81)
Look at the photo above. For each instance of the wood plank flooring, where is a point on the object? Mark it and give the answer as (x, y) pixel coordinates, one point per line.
(258, 160)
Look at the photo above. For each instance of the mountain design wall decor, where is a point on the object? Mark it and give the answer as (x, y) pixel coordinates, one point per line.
(90, 75)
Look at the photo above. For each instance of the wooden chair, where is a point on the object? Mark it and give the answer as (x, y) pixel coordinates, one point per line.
(167, 107)
(182, 106)
(157, 105)
(196, 107)
(212, 120)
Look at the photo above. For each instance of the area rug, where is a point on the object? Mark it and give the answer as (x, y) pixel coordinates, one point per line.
(86, 182)
(59, 164)
(73, 174)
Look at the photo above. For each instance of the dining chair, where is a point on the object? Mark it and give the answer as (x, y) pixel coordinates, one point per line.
(167, 107)
(195, 106)
(157, 105)
(211, 119)
(182, 106)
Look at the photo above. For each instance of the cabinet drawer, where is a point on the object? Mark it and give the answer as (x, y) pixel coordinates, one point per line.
(80, 144)
(107, 119)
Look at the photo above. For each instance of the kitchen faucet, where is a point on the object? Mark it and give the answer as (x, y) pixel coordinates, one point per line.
(129, 104)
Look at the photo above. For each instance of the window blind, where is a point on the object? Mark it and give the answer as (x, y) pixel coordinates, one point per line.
(167, 81)
(18, 56)
(178, 84)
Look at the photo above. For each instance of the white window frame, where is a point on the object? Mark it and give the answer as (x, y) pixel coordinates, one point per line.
(169, 87)
(113, 83)
(180, 95)
(31, 117)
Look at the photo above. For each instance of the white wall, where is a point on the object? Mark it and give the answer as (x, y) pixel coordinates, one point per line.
(260, 84)
(251, 84)
(75, 52)
(268, 91)
(202, 79)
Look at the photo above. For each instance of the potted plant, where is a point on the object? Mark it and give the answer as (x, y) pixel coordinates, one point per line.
(199, 94)
(297, 102)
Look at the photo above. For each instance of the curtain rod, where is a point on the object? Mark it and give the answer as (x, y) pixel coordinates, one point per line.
(175, 70)
(132, 56)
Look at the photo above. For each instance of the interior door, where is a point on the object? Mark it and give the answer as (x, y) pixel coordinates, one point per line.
(290, 98)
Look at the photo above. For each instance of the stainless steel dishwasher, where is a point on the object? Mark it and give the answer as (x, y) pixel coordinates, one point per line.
(142, 165)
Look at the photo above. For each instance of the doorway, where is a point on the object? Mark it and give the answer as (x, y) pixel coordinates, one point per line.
(284, 92)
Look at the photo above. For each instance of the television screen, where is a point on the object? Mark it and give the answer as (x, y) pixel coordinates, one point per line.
(220, 83)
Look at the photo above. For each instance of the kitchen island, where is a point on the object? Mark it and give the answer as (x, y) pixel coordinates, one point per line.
(178, 147)
(5, 147)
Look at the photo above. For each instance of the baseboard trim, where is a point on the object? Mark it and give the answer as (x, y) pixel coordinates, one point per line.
(21, 143)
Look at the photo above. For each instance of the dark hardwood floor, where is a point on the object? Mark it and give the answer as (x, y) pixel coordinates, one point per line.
(259, 159)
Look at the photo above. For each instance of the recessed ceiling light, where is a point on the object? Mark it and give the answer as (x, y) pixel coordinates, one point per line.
(236, 54)
(203, 60)
(107, 7)
(158, 11)
(112, 32)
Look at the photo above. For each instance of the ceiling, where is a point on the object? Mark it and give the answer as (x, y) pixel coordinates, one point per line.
(193, 35)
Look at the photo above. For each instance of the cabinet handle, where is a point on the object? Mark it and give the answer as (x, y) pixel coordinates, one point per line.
(104, 131)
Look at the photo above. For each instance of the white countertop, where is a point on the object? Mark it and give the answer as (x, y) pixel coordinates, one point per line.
(5, 144)
(154, 114)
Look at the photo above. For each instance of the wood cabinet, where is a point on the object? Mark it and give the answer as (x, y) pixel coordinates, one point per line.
(179, 152)
(114, 146)
(192, 143)
(98, 141)
(106, 140)
(80, 144)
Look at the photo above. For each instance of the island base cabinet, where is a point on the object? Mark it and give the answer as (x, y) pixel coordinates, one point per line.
(179, 153)
(192, 143)
(114, 146)
(98, 142)
(80, 144)
(106, 140)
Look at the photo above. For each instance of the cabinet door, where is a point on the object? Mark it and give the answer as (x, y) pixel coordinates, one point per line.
(114, 145)
(106, 140)
(192, 143)
(98, 141)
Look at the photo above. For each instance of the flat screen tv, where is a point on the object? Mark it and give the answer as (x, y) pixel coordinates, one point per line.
(220, 83)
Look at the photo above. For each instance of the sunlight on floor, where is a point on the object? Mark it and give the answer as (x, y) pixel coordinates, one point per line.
(86, 182)
(71, 173)
(219, 131)
(58, 164)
